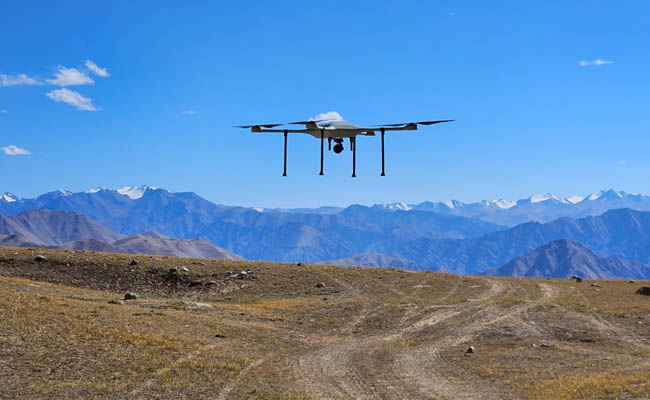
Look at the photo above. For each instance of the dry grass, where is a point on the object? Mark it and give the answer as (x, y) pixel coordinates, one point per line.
(368, 333)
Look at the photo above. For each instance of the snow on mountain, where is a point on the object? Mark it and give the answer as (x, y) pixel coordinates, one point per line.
(595, 196)
(450, 204)
(503, 204)
(538, 198)
(65, 193)
(610, 195)
(9, 197)
(399, 206)
(95, 190)
(575, 199)
(135, 192)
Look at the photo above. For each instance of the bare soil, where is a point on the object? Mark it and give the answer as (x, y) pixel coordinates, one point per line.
(368, 333)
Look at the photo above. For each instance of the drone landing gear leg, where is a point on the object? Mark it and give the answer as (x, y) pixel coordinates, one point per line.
(383, 171)
(285, 153)
(329, 144)
(322, 143)
(353, 145)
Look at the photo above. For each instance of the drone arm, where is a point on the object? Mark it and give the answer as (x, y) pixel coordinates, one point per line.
(262, 130)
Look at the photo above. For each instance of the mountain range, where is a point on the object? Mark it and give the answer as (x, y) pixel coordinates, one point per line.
(451, 236)
(623, 233)
(538, 207)
(563, 259)
(52, 228)
(146, 243)
(271, 235)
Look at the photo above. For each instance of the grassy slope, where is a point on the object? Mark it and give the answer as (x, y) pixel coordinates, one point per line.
(369, 333)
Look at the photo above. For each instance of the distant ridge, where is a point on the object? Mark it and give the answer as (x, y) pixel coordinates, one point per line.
(451, 235)
(381, 260)
(16, 240)
(621, 233)
(563, 259)
(255, 233)
(70, 231)
(538, 207)
(53, 228)
(154, 244)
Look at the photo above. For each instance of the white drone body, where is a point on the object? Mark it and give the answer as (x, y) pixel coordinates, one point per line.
(337, 131)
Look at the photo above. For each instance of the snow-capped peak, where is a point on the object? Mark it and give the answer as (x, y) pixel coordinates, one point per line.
(575, 199)
(135, 192)
(9, 197)
(258, 209)
(503, 204)
(611, 193)
(65, 193)
(538, 198)
(450, 204)
(95, 190)
(399, 206)
(595, 196)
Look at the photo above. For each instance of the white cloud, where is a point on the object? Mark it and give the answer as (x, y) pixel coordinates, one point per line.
(3, 111)
(73, 98)
(70, 77)
(20, 79)
(597, 62)
(190, 112)
(96, 69)
(12, 150)
(330, 116)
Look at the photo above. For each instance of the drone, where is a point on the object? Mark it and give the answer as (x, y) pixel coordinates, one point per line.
(336, 131)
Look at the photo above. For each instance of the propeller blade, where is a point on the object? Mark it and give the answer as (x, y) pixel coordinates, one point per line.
(312, 122)
(434, 122)
(391, 124)
(262, 125)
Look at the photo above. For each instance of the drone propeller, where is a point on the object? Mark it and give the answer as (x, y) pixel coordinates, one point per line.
(312, 122)
(418, 123)
(260, 125)
(434, 122)
(391, 124)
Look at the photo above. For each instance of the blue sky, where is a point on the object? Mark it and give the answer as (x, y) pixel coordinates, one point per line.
(529, 117)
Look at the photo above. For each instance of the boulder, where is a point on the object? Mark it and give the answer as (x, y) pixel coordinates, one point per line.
(470, 350)
(644, 291)
(130, 296)
(133, 262)
(320, 285)
(40, 258)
